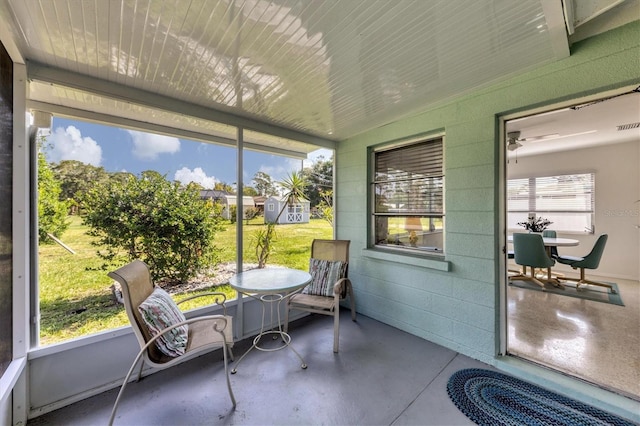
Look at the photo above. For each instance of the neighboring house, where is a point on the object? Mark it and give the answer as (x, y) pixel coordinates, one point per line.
(214, 195)
(296, 213)
(258, 202)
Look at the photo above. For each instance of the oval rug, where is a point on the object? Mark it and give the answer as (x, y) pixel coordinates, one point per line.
(492, 398)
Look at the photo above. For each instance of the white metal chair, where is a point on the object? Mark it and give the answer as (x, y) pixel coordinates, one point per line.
(204, 333)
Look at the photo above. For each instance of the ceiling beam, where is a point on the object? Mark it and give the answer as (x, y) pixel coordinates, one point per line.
(129, 123)
(41, 72)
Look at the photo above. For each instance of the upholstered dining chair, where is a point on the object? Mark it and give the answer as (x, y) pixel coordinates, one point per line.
(165, 336)
(329, 268)
(511, 255)
(529, 251)
(552, 250)
(548, 233)
(590, 261)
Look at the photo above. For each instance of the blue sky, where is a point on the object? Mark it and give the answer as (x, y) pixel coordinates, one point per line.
(118, 149)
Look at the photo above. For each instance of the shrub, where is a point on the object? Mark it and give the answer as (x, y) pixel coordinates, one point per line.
(149, 218)
(52, 213)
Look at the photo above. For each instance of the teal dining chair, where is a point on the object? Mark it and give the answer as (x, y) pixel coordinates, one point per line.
(548, 233)
(552, 250)
(590, 261)
(529, 251)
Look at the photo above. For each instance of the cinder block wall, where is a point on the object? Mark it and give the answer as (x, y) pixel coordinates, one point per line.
(458, 308)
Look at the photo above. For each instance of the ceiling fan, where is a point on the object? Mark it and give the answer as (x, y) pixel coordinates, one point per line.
(514, 139)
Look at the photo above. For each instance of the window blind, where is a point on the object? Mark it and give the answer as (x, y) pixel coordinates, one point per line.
(409, 180)
(566, 200)
(565, 193)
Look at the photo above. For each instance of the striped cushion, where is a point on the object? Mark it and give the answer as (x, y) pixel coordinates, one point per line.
(158, 312)
(324, 275)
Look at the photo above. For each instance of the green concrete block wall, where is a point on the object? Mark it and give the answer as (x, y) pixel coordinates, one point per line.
(458, 308)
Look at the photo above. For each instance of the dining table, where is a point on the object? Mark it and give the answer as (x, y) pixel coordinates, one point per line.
(553, 242)
(271, 287)
(558, 242)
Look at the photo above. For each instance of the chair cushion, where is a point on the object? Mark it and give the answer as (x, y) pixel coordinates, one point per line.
(324, 275)
(158, 312)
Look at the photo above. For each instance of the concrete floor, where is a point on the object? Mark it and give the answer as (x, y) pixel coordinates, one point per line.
(598, 342)
(382, 376)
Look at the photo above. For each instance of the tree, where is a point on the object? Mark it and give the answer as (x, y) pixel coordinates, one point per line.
(222, 186)
(251, 213)
(320, 178)
(264, 185)
(52, 212)
(76, 178)
(294, 187)
(149, 218)
(325, 206)
(250, 191)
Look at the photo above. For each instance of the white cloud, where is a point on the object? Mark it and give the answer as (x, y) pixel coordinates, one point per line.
(278, 172)
(313, 157)
(68, 144)
(197, 175)
(148, 146)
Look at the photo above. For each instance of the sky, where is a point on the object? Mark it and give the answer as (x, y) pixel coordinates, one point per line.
(118, 149)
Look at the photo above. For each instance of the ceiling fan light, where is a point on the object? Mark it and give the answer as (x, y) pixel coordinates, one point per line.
(513, 145)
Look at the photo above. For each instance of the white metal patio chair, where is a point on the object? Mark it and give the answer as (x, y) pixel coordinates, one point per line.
(201, 334)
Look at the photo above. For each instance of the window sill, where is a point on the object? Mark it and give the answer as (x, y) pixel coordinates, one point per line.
(426, 261)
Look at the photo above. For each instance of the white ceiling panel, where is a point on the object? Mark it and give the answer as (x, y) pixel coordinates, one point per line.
(326, 68)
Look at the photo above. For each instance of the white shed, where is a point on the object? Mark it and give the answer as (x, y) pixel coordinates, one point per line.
(296, 213)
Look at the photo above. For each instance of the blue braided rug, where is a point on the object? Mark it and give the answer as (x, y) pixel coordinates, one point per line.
(492, 398)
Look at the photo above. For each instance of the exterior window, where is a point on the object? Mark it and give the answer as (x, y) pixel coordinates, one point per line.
(407, 191)
(566, 200)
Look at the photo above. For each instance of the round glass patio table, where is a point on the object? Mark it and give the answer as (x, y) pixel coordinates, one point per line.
(271, 286)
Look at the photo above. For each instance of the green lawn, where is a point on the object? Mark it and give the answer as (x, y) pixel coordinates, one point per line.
(75, 294)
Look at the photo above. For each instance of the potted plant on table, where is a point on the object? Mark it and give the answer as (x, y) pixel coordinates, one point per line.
(535, 224)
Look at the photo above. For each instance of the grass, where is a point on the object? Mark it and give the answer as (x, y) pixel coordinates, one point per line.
(75, 294)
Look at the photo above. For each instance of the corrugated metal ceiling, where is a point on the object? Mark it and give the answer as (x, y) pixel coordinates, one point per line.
(320, 69)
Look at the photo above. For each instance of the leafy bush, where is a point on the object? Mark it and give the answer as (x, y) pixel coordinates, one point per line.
(52, 213)
(149, 218)
(251, 213)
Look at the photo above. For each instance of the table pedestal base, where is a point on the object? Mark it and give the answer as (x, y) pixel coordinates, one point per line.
(277, 334)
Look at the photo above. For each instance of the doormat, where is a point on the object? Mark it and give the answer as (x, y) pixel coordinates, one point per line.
(492, 398)
(597, 294)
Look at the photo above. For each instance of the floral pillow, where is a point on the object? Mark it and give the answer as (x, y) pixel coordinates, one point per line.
(158, 312)
(324, 275)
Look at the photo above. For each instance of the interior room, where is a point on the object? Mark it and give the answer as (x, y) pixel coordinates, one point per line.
(421, 104)
(589, 339)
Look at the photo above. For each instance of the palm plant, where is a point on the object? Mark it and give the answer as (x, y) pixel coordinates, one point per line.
(294, 186)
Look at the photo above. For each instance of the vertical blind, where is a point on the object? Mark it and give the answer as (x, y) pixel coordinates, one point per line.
(409, 180)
